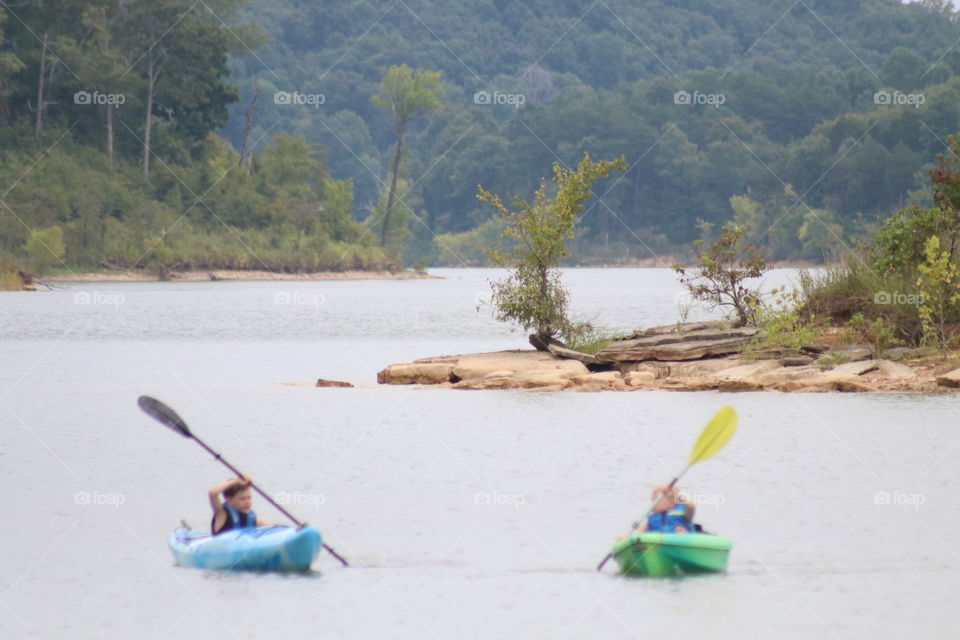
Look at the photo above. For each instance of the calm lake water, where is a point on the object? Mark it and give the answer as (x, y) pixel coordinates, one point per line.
(465, 514)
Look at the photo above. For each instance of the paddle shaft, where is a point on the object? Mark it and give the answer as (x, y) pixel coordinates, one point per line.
(252, 485)
(649, 511)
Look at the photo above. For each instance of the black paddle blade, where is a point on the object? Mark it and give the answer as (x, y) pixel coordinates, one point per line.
(164, 414)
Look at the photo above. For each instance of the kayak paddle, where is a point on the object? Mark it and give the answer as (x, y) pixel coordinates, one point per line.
(168, 417)
(714, 436)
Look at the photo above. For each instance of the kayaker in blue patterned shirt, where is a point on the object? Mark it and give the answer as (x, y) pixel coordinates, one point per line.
(672, 512)
(235, 511)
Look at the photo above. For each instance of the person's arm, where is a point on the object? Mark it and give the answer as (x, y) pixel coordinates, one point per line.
(263, 523)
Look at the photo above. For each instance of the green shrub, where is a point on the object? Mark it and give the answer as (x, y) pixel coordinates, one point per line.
(45, 247)
(938, 287)
(901, 238)
(785, 329)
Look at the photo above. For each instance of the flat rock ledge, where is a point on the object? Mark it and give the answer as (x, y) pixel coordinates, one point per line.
(530, 370)
(703, 356)
(693, 342)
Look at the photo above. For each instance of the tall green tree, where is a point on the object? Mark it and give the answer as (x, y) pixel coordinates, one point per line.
(180, 49)
(10, 63)
(405, 94)
(40, 34)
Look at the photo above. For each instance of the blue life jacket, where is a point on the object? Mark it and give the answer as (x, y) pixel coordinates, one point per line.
(668, 521)
(235, 520)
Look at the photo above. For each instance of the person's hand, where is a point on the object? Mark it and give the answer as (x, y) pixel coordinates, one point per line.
(244, 481)
(665, 490)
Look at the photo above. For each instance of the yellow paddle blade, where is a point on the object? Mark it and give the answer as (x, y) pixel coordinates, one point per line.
(715, 435)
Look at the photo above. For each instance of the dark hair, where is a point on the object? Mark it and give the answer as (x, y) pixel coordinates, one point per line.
(234, 489)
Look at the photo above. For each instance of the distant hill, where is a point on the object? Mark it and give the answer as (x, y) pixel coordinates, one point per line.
(122, 125)
(839, 103)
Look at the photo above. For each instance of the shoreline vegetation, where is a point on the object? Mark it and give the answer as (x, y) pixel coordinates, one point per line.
(135, 134)
(887, 318)
(207, 275)
(19, 280)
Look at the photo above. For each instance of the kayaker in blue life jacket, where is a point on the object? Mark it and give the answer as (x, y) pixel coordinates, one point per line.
(672, 512)
(234, 512)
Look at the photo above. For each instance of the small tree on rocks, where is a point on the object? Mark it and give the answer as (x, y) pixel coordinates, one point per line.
(533, 295)
(719, 278)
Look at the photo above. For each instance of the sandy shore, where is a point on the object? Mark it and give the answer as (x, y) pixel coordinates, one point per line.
(226, 274)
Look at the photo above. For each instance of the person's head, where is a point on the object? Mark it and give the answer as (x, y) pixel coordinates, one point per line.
(666, 498)
(239, 497)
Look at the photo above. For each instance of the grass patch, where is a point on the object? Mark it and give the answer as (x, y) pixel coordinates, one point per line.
(854, 290)
(831, 360)
(590, 339)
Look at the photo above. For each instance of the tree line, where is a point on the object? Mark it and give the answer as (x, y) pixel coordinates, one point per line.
(295, 135)
(110, 158)
(824, 117)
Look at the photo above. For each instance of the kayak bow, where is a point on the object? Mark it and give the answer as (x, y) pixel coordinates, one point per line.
(667, 554)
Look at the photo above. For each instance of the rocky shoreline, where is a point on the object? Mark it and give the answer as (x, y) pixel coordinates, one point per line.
(235, 274)
(701, 357)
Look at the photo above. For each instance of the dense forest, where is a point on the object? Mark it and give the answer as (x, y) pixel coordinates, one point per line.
(249, 134)
(803, 125)
(109, 155)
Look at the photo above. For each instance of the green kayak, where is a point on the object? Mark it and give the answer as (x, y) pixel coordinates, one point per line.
(667, 554)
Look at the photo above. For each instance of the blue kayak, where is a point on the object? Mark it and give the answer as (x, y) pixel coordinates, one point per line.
(258, 549)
